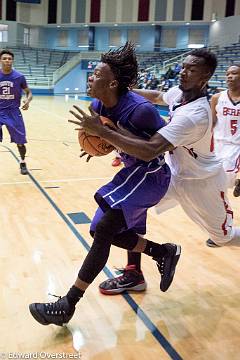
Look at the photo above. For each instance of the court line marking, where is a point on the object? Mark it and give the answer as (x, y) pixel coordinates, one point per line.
(63, 141)
(131, 302)
(48, 112)
(54, 181)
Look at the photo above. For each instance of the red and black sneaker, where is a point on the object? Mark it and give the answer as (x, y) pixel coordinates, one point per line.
(130, 279)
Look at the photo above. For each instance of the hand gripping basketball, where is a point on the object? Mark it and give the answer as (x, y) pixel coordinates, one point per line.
(92, 145)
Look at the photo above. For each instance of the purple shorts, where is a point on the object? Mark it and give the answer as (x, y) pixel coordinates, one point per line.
(133, 190)
(13, 120)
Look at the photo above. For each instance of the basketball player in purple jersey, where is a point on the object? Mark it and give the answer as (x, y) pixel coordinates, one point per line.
(12, 83)
(124, 201)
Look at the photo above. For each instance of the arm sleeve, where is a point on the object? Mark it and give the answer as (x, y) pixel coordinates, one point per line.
(146, 117)
(183, 131)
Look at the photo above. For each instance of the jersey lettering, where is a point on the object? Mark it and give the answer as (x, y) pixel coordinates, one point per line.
(230, 111)
(6, 90)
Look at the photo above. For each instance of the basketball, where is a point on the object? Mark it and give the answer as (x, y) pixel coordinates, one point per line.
(94, 145)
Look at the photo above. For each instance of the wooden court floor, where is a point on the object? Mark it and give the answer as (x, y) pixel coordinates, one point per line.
(42, 249)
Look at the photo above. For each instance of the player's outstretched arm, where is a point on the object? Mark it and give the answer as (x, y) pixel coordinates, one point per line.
(155, 96)
(214, 101)
(142, 149)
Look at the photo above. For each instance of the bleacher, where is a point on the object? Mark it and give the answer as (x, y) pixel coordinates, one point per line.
(147, 60)
(226, 57)
(38, 65)
(158, 64)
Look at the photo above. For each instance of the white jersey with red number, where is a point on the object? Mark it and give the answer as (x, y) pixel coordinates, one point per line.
(190, 130)
(227, 136)
(227, 128)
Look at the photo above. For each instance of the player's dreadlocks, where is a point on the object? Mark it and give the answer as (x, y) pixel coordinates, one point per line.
(123, 63)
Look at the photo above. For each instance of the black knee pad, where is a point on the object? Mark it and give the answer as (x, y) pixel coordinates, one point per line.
(102, 228)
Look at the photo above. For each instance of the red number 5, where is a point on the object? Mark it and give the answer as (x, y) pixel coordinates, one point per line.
(234, 126)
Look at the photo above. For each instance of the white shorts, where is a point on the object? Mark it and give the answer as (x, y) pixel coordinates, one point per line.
(230, 155)
(205, 201)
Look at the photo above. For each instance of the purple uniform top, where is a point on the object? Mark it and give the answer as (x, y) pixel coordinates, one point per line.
(140, 184)
(134, 113)
(11, 86)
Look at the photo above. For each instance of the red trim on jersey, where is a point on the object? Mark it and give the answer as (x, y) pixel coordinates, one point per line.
(228, 211)
(212, 144)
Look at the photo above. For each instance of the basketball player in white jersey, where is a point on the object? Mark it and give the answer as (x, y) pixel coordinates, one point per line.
(226, 115)
(198, 181)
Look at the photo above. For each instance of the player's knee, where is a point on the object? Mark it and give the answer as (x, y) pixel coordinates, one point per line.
(102, 227)
(103, 232)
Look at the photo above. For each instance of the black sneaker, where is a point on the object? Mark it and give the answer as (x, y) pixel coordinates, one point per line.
(131, 279)
(236, 191)
(57, 313)
(23, 168)
(167, 265)
(211, 243)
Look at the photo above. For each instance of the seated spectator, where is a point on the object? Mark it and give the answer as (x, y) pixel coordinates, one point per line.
(163, 84)
(170, 74)
(154, 83)
(177, 69)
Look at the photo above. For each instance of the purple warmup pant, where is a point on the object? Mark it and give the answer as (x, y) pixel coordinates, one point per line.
(13, 120)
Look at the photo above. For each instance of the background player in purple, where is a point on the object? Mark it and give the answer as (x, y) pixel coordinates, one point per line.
(124, 201)
(12, 83)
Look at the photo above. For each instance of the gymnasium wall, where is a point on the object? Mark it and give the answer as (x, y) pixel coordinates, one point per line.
(121, 11)
(75, 81)
(169, 23)
(171, 37)
(225, 31)
(116, 11)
